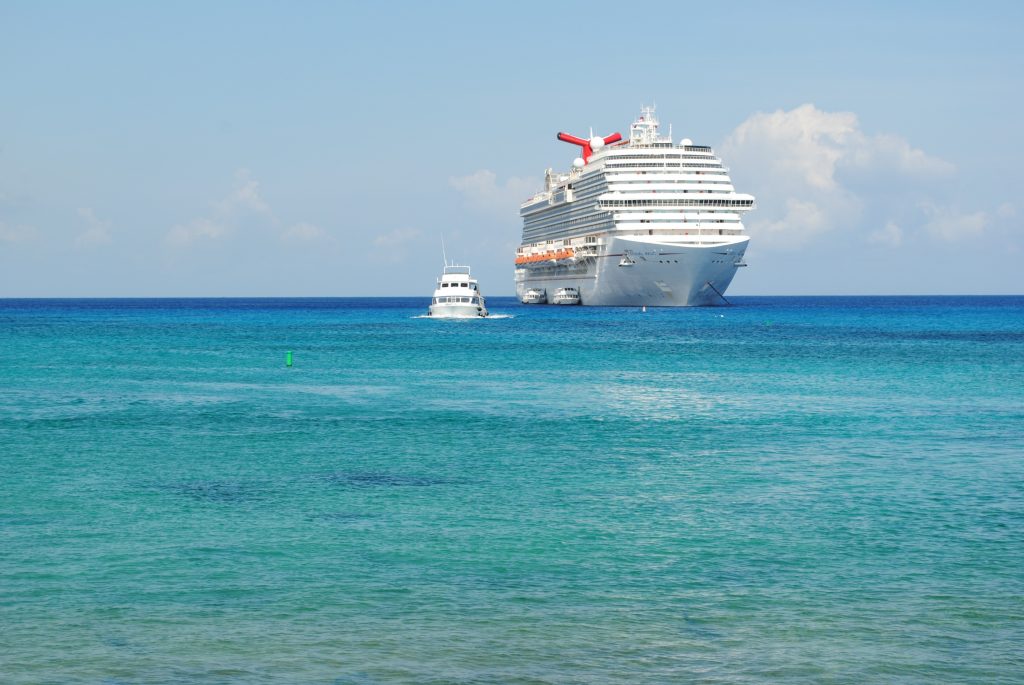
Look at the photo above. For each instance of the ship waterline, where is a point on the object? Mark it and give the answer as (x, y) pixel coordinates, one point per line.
(636, 272)
(640, 222)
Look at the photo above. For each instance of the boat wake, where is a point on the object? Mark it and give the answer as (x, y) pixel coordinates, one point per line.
(468, 318)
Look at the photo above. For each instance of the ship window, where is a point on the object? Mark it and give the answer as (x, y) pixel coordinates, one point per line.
(444, 285)
(465, 285)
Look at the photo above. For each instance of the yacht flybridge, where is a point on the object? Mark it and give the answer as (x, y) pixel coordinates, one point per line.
(457, 295)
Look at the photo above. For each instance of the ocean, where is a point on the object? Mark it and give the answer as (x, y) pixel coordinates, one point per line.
(787, 490)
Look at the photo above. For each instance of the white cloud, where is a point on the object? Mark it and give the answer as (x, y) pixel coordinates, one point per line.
(16, 234)
(184, 235)
(804, 144)
(797, 161)
(951, 225)
(395, 245)
(893, 152)
(98, 231)
(810, 145)
(890, 236)
(245, 198)
(243, 203)
(396, 238)
(303, 233)
(482, 191)
(801, 222)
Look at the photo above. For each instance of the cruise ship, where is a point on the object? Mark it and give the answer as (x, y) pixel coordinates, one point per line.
(637, 222)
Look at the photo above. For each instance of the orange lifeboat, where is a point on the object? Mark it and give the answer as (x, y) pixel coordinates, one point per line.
(552, 255)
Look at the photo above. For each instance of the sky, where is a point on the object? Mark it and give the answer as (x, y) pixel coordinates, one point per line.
(324, 149)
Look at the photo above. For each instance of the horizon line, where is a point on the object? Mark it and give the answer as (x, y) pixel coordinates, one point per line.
(393, 297)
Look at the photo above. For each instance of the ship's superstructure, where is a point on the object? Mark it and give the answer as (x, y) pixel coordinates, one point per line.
(635, 222)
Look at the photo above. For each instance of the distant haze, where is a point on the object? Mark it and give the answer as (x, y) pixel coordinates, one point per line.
(243, 149)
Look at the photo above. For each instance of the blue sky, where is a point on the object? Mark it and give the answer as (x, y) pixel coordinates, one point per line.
(233, 149)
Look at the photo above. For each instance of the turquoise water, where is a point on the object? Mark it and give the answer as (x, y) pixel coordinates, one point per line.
(789, 490)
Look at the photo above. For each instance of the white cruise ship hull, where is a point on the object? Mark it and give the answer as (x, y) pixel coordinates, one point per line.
(635, 271)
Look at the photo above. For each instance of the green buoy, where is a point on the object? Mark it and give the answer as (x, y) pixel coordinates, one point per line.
(288, 358)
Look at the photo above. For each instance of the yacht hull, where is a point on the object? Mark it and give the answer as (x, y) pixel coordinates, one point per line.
(455, 311)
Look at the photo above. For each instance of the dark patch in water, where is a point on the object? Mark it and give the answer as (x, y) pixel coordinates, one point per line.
(115, 641)
(224, 492)
(21, 520)
(354, 679)
(342, 517)
(123, 644)
(959, 336)
(699, 628)
(376, 479)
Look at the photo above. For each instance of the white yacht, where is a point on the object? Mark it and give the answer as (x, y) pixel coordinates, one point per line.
(638, 222)
(566, 296)
(457, 295)
(535, 296)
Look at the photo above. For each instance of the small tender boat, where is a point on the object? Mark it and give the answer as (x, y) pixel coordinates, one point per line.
(457, 296)
(535, 296)
(566, 296)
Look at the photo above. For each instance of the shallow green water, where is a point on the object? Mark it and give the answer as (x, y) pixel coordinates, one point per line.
(790, 490)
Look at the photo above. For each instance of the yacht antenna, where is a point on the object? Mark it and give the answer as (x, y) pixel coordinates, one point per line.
(444, 254)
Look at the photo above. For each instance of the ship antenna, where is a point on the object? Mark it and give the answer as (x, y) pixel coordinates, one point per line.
(444, 254)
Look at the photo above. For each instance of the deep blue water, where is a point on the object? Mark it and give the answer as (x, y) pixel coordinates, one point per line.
(788, 490)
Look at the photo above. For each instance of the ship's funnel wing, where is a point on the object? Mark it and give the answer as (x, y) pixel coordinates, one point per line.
(589, 146)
